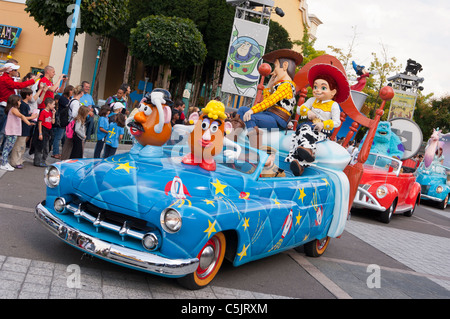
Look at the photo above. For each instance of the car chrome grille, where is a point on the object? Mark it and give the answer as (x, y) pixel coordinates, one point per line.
(424, 189)
(104, 219)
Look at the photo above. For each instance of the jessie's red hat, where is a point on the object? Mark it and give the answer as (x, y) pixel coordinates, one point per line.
(343, 91)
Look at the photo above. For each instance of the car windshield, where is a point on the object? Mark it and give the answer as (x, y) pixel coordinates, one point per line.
(384, 163)
(247, 162)
(434, 168)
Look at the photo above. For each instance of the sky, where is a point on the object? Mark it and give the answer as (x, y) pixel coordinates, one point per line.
(408, 29)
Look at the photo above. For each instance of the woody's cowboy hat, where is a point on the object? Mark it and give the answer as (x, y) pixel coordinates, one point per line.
(343, 91)
(283, 54)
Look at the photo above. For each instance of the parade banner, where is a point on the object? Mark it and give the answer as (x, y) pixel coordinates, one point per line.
(402, 105)
(247, 46)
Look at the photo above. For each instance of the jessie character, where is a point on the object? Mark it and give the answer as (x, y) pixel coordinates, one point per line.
(330, 87)
(279, 97)
(207, 138)
(151, 124)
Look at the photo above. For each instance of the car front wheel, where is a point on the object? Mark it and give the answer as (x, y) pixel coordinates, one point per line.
(443, 204)
(387, 214)
(210, 259)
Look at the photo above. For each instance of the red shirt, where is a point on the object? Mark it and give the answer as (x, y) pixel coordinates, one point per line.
(8, 85)
(48, 93)
(46, 118)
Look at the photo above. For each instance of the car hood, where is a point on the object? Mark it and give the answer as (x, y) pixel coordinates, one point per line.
(139, 185)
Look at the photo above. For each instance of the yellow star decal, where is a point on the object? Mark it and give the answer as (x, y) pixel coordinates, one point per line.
(276, 201)
(243, 252)
(209, 202)
(210, 228)
(326, 182)
(298, 217)
(219, 187)
(125, 166)
(302, 194)
(245, 224)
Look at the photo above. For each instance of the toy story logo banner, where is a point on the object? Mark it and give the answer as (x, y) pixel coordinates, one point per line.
(9, 36)
(402, 105)
(247, 46)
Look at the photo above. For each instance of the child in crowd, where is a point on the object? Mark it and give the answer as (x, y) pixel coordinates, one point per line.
(43, 132)
(79, 135)
(13, 128)
(102, 129)
(116, 108)
(115, 135)
(16, 157)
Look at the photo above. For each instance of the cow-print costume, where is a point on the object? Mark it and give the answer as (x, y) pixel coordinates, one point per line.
(306, 137)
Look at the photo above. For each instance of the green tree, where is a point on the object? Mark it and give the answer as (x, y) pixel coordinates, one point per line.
(169, 42)
(101, 17)
(307, 45)
(278, 37)
(425, 115)
(442, 107)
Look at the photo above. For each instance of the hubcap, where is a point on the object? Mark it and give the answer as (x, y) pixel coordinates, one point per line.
(321, 243)
(208, 258)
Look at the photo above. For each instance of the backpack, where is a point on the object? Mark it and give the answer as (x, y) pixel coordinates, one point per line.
(70, 129)
(64, 115)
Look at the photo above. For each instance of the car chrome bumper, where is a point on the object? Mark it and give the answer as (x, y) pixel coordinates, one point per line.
(364, 199)
(427, 197)
(144, 261)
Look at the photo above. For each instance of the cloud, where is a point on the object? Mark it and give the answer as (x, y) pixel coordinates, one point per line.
(416, 29)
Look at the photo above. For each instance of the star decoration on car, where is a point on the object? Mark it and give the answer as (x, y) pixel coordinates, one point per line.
(243, 252)
(219, 187)
(210, 228)
(126, 166)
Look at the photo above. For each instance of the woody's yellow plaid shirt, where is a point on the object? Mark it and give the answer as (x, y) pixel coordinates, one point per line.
(284, 91)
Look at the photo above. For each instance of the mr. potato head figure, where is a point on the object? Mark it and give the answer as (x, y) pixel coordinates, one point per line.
(151, 124)
(208, 135)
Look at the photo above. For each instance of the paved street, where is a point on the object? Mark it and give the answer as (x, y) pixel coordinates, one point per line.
(407, 259)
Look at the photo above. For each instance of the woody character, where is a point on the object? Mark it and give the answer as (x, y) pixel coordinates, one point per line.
(207, 137)
(279, 97)
(329, 87)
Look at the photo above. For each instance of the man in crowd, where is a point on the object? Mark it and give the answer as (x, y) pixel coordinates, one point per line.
(49, 73)
(7, 88)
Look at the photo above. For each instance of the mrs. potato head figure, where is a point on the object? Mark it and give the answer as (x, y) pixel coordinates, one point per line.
(207, 137)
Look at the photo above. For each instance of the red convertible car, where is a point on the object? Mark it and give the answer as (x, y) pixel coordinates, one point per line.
(385, 188)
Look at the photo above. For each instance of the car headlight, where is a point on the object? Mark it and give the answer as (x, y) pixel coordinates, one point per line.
(52, 176)
(60, 204)
(170, 220)
(382, 191)
(150, 241)
(439, 189)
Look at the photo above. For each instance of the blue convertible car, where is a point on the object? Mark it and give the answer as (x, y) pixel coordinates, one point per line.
(148, 211)
(435, 183)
